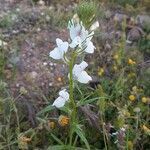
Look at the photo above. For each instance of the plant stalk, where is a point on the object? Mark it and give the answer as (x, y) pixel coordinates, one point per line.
(72, 102)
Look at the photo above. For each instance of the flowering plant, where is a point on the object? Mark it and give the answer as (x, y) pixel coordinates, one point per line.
(80, 44)
(69, 52)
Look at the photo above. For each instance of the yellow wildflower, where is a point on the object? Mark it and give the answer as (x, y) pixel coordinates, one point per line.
(148, 100)
(130, 145)
(131, 75)
(63, 120)
(127, 114)
(116, 56)
(24, 139)
(131, 62)
(23, 142)
(144, 99)
(51, 124)
(132, 98)
(146, 129)
(115, 68)
(100, 71)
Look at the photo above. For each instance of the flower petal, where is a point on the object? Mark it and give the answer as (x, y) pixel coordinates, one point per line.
(83, 65)
(64, 47)
(90, 36)
(75, 42)
(75, 29)
(59, 42)
(59, 102)
(84, 77)
(90, 48)
(64, 95)
(94, 26)
(84, 34)
(77, 69)
(56, 54)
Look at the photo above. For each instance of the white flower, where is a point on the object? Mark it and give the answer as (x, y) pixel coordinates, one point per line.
(60, 50)
(79, 74)
(61, 100)
(94, 26)
(90, 47)
(76, 42)
(76, 29)
(80, 37)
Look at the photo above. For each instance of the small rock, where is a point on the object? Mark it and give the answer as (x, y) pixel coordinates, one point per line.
(9, 66)
(119, 17)
(15, 31)
(18, 9)
(108, 14)
(33, 74)
(45, 63)
(51, 68)
(51, 64)
(50, 84)
(38, 29)
(47, 18)
(42, 13)
(41, 3)
(14, 17)
(17, 85)
(107, 46)
(143, 20)
(135, 34)
(51, 8)
(2, 43)
(14, 59)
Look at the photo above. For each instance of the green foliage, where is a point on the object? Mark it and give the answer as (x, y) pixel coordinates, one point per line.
(6, 21)
(146, 4)
(144, 45)
(80, 133)
(7, 135)
(2, 61)
(145, 74)
(87, 12)
(124, 2)
(109, 101)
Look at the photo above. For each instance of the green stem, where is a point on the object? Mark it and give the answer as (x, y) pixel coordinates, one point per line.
(72, 102)
(137, 122)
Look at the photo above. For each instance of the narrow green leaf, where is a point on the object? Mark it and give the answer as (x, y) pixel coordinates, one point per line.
(57, 147)
(90, 101)
(41, 120)
(79, 132)
(56, 139)
(64, 109)
(46, 109)
(78, 89)
(64, 147)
